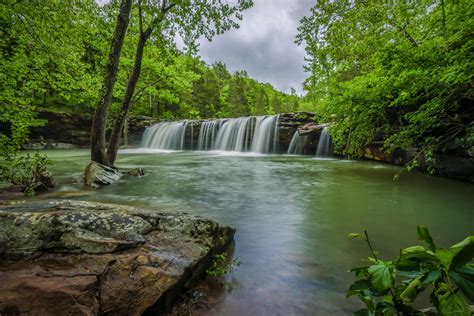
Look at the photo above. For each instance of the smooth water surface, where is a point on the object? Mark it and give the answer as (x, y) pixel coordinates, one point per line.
(292, 215)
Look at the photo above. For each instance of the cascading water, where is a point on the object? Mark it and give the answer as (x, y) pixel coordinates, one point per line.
(234, 134)
(255, 133)
(207, 134)
(325, 144)
(265, 138)
(297, 144)
(165, 135)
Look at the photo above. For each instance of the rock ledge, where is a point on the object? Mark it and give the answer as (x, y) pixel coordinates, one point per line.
(84, 258)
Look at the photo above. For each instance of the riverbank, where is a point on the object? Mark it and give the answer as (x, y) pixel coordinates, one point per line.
(88, 258)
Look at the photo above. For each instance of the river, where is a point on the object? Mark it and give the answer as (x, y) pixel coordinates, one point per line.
(292, 215)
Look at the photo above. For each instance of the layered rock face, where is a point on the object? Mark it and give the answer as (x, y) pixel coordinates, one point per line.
(84, 258)
(65, 131)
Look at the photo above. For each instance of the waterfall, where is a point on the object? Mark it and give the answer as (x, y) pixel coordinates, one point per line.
(297, 144)
(325, 144)
(166, 135)
(207, 135)
(266, 134)
(254, 133)
(234, 134)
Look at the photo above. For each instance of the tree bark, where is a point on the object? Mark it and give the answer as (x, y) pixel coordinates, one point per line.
(114, 140)
(98, 129)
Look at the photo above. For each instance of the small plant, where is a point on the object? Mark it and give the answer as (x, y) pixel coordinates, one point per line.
(221, 265)
(25, 170)
(389, 287)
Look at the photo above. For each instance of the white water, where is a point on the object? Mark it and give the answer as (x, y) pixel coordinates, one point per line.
(258, 134)
(207, 135)
(297, 144)
(165, 135)
(325, 144)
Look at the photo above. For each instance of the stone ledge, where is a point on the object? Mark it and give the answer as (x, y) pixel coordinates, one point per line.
(85, 258)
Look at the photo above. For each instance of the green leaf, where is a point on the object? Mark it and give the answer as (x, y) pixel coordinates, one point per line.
(417, 253)
(363, 312)
(464, 251)
(431, 277)
(424, 234)
(360, 271)
(445, 257)
(381, 276)
(412, 290)
(385, 309)
(464, 278)
(452, 304)
(458, 255)
(357, 287)
(365, 297)
(356, 235)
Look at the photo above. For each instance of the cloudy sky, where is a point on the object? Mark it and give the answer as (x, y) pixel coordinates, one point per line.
(264, 44)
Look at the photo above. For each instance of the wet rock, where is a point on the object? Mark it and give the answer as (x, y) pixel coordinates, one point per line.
(39, 145)
(60, 145)
(96, 175)
(136, 172)
(311, 128)
(83, 258)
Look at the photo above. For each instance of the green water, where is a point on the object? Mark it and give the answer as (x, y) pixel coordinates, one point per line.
(292, 216)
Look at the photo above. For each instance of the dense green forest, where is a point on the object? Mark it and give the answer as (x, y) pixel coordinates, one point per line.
(399, 71)
(53, 54)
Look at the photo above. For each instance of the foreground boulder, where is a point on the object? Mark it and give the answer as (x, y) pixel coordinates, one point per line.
(83, 258)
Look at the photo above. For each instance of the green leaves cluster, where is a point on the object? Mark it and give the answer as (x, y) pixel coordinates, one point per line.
(398, 71)
(390, 287)
(221, 265)
(24, 170)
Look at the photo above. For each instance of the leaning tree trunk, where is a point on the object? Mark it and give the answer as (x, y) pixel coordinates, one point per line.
(98, 130)
(114, 140)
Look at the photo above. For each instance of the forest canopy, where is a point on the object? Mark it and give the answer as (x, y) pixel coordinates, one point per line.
(393, 71)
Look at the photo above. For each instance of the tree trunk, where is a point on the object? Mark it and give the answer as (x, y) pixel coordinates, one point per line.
(114, 140)
(98, 130)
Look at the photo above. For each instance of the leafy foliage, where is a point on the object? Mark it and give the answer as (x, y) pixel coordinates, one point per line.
(23, 169)
(221, 265)
(399, 71)
(389, 287)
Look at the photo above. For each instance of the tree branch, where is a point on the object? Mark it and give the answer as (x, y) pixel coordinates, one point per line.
(140, 16)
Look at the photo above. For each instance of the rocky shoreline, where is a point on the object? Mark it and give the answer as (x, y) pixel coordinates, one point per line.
(85, 258)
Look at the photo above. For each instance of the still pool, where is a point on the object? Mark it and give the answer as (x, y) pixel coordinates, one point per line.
(292, 215)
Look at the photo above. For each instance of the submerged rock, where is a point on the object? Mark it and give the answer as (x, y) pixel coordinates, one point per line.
(84, 258)
(136, 172)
